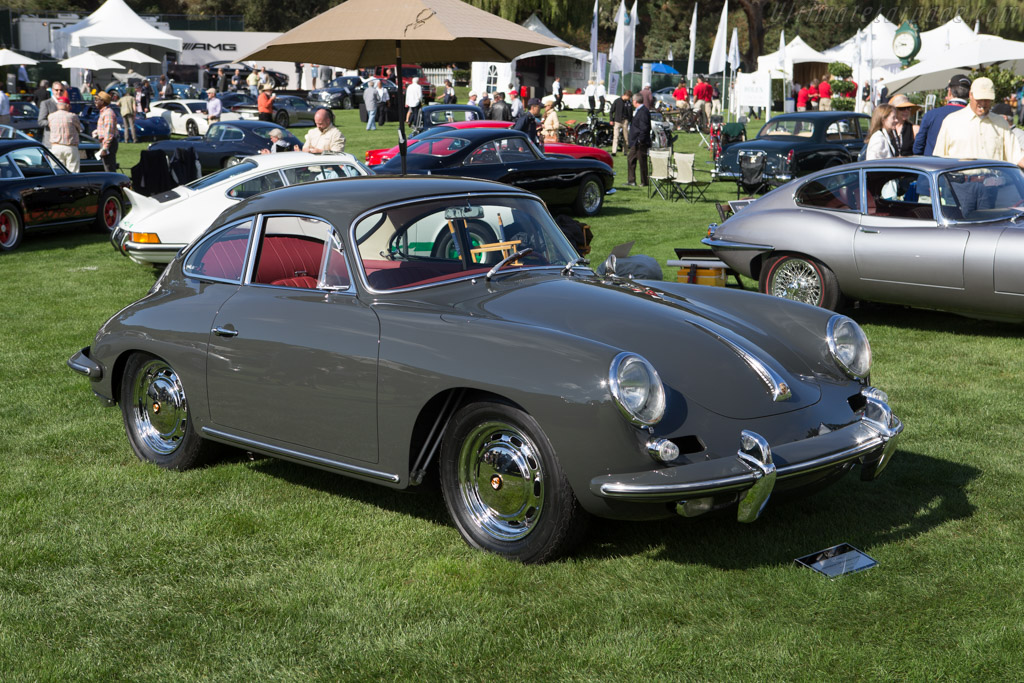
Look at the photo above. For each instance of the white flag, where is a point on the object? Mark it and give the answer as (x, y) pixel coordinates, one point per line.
(734, 50)
(669, 58)
(629, 59)
(693, 40)
(619, 45)
(781, 65)
(593, 42)
(717, 62)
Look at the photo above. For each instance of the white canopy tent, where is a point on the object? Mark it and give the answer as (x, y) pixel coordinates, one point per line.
(934, 74)
(490, 76)
(879, 33)
(938, 42)
(796, 52)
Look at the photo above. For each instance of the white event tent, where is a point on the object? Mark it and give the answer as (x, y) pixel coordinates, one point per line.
(812, 64)
(879, 33)
(934, 74)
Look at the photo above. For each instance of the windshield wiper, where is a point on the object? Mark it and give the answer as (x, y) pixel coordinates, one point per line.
(503, 262)
(572, 264)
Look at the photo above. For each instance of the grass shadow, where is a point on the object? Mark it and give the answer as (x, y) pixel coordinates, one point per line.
(915, 494)
(897, 316)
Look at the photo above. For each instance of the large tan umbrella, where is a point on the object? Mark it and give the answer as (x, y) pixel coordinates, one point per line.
(361, 33)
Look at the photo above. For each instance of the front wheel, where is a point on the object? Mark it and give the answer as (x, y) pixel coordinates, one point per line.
(282, 119)
(192, 128)
(590, 197)
(156, 417)
(11, 229)
(346, 102)
(802, 279)
(110, 211)
(504, 488)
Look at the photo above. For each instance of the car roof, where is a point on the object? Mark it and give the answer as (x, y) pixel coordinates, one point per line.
(343, 199)
(245, 124)
(451, 107)
(269, 161)
(924, 163)
(8, 145)
(479, 134)
(817, 116)
(160, 103)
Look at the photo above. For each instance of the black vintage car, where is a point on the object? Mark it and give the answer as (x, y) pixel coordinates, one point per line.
(338, 94)
(146, 127)
(509, 157)
(36, 191)
(87, 147)
(793, 145)
(226, 142)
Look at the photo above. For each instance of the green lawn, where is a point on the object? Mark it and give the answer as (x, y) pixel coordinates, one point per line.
(263, 570)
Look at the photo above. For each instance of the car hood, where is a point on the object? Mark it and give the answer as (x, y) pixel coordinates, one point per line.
(697, 348)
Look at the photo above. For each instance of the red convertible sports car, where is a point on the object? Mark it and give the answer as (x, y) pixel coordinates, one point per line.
(379, 156)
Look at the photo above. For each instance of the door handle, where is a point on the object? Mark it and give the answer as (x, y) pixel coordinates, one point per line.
(512, 170)
(567, 176)
(38, 188)
(224, 332)
(869, 231)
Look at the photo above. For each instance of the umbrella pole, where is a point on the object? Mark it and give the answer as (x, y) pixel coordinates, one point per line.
(401, 104)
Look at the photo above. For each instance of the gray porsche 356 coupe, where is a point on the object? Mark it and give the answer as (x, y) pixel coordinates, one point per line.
(374, 326)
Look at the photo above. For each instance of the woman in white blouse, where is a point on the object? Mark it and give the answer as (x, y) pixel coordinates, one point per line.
(884, 121)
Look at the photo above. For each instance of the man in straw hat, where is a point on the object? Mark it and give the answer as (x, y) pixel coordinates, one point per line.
(106, 131)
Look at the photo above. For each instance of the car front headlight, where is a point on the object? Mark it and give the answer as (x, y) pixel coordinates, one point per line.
(637, 389)
(849, 346)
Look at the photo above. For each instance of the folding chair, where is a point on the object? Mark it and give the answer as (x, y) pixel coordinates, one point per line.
(752, 179)
(661, 175)
(687, 184)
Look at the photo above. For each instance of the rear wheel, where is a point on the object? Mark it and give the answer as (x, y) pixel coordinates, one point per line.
(156, 417)
(192, 128)
(590, 197)
(346, 102)
(446, 247)
(504, 488)
(282, 119)
(11, 228)
(803, 279)
(110, 211)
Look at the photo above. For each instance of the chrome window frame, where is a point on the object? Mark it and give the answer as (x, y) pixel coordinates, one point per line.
(932, 178)
(260, 223)
(363, 280)
(860, 190)
(191, 250)
(945, 221)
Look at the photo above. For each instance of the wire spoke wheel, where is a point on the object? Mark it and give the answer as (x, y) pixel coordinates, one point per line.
(801, 279)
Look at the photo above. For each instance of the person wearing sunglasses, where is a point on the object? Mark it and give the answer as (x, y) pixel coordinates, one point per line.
(47, 107)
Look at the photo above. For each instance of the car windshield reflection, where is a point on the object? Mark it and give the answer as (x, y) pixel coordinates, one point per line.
(794, 128)
(217, 176)
(982, 193)
(432, 242)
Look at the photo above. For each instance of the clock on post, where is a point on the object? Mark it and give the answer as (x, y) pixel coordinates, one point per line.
(907, 42)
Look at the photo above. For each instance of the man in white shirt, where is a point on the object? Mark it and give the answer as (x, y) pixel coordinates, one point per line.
(556, 90)
(471, 116)
(515, 104)
(975, 133)
(324, 138)
(213, 106)
(413, 100)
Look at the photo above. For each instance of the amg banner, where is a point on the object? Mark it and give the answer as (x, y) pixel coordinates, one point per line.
(203, 47)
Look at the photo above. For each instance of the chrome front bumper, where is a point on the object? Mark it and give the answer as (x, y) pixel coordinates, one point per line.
(753, 472)
(143, 252)
(776, 178)
(84, 365)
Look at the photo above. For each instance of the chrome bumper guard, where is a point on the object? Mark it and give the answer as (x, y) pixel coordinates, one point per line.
(83, 365)
(871, 441)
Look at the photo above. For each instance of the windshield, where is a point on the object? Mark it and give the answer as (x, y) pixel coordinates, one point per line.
(419, 244)
(795, 128)
(222, 174)
(983, 193)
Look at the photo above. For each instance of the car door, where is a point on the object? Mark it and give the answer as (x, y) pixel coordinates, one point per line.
(900, 247)
(554, 179)
(293, 353)
(172, 114)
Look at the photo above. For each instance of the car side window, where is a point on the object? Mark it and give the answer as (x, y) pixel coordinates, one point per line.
(231, 134)
(899, 194)
(310, 174)
(840, 192)
(515, 149)
(291, 253)
(841, 129)
(32, 162)
(221, 256)
(251, 186)
(486, 153)
(8, 169)
(215, 132)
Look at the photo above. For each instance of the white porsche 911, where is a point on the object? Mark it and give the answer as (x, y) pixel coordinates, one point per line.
(157, 227)
(186, 117)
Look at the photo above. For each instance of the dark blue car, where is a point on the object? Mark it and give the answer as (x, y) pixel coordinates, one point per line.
(150, 128)
(226, 142)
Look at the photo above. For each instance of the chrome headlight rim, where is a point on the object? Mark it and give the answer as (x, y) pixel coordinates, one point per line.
(653, 409)
(833, 347)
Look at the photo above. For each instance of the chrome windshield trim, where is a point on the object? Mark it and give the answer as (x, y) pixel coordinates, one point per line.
(777, 387)
(739, 246)
(289, 454)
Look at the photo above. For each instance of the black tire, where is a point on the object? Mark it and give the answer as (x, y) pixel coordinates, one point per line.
(504, 488)
(282, 119)
(12, 228)
(590, 197)
(346, 102)
(109, 211)
(801, 278)
(446, 247)
(156, 417)
(191, 128)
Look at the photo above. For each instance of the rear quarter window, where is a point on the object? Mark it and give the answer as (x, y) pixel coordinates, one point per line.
(840, 192)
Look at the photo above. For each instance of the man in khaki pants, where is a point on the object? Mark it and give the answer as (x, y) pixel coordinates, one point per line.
(65, 131)
(622, 112)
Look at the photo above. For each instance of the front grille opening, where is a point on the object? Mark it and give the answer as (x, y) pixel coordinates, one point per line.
(688, 445)
(857, 402)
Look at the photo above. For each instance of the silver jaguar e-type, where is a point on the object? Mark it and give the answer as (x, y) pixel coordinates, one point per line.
(929, 232)
(374, 326)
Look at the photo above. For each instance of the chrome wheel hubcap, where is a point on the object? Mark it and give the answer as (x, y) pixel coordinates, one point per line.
(159, 407)
(501, 480)
(591, 197)
(797, 280)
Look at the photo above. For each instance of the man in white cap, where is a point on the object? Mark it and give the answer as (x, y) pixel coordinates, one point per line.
(975, 133)
(213, 106)
(413, 100)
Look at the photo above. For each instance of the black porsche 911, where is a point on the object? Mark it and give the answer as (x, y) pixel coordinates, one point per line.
(36, 191)
(226, 142)
(508, 156)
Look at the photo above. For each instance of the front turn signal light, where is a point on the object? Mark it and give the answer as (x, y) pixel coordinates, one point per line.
(145, 238)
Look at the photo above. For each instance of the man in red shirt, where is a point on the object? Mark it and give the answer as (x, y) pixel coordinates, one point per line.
(825, 95)
(802, 98)
(812, 94)
(682, 96)
(702, 95)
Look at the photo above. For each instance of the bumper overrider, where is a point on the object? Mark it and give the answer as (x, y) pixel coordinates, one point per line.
(142, 252)
(751, 475)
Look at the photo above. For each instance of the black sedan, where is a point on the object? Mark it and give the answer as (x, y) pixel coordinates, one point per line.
(793, 145)
(508, 156)
(36, 191)
(226, 142)
(338, 94)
